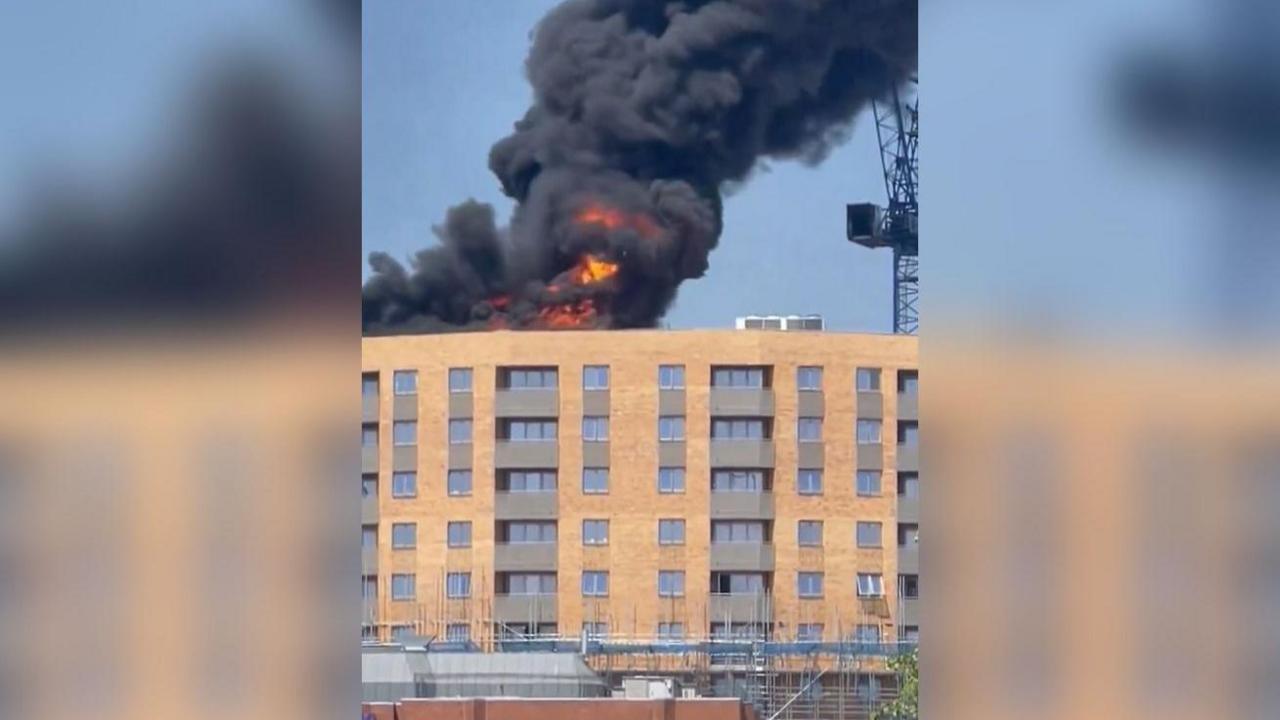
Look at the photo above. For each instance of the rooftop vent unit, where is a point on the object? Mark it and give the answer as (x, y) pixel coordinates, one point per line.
(780, 322)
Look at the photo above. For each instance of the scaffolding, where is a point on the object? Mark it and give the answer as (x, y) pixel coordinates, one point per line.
(747, 657)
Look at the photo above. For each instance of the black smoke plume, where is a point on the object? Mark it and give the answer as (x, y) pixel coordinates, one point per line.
(643, 110)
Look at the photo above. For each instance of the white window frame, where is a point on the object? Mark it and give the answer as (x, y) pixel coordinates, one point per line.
(802, 472)
(398, 375)
(879, 481)
(874, 587)
(857, 533)
(395, 493)
(460, 372)
(673, 472)
(458, 472)
(595, 470)
(595, 523)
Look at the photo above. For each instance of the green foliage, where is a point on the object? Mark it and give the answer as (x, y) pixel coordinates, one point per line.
(906, 705)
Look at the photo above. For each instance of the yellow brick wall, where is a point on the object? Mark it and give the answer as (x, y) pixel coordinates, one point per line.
(633, 504)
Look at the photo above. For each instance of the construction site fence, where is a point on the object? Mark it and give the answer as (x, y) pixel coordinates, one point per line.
(726, 648)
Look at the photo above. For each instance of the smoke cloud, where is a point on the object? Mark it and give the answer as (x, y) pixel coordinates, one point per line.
(643, 111)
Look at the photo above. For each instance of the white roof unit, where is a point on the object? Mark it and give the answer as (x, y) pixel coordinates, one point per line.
(780, 322)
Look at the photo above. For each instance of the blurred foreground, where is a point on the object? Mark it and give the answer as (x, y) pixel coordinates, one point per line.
(1101, 360)
(179, 276)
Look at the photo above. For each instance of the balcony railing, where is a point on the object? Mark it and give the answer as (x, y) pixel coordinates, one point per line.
(539, 556)
(526, 505)
(744, 556)
(740, 607)
(731, 453)
(524, 609)
(527, 402)
(733, 504)
(742, 402)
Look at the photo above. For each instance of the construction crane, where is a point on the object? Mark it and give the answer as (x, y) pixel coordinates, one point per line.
(896, 226)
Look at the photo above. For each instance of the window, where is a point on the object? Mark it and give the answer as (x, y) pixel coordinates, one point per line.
(809, 584)
(870, 585)
(908, 486)
(671, 377)
(369, 486)
(527, 583)
(737, 583)
(369, 436)
(404, 484)
(729, 531)
(809, 378)
(739, 481)
(459, 432)
(403, 586)
(868, 534)
(458, 585)
(866, 634)
(809, 632)
(595, 630)
(595, 428)
(405, 382)
(595, 532)
(595, 481)
(404, 432)
(459, 380)
(739, 377)
(369, 385)
(809, 429)
(595, 377)
(908, 382)
(909, 634)
(809, 533)
(457, 633)
(458, 534)
(671, 428)
(910, 585)
(527, 378)
(908, 534)
(458, 482)
(369, 587)
(868, 482)
(670, 631)
(908, 433)
(595, 583)
(401, 633)
(671, 480)
(527, 430)
(809, 482)
(868, 379)
(671, 583)
(671, 532)
(404, 535)
(527, 531)
(738, 429)
(526, 481)
(369, 536)
(868, 432)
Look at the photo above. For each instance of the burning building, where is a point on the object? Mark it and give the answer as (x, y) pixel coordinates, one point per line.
(643, 111)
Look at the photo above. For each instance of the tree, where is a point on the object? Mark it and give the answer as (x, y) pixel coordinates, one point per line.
(906, 705)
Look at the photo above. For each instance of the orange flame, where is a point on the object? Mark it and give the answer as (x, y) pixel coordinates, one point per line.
(611, 219)
(591, 269)
(569, 315)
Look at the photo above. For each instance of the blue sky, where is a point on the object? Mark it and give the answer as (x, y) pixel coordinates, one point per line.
(443, 81)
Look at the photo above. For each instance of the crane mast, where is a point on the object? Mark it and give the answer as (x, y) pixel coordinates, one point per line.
(897, 225)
